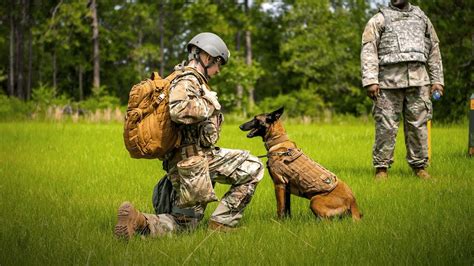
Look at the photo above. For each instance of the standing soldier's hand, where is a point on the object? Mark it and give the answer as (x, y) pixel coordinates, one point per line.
(437, 87)
(373, 91)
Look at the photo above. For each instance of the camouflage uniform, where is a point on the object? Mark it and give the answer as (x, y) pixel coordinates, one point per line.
(196, 109)
(400, 52)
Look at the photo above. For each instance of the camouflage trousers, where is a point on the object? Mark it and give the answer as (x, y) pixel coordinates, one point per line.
(414, 105)
(226, 166)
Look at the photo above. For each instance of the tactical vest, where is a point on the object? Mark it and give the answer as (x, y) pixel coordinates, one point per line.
(306, 177)
(405, 37)
(205, 133)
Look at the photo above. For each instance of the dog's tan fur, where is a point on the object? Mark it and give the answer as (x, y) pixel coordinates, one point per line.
(337, 202)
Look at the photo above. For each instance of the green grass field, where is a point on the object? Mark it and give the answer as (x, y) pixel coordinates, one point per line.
(61, 185)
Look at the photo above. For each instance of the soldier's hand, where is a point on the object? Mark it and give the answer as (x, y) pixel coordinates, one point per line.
(437, 87)
(373, 91)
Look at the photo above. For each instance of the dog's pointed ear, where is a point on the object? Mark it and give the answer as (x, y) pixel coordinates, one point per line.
(275, 115)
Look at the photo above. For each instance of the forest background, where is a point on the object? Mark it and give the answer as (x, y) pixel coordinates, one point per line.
(81, 56)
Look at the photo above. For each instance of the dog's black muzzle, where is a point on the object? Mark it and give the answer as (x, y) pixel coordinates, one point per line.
(254, 127)
(247, 125)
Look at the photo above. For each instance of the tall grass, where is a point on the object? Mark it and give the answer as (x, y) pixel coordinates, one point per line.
(61, 185)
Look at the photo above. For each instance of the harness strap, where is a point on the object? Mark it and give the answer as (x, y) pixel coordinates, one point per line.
(286, 153)
(274, 144)
(274, 141)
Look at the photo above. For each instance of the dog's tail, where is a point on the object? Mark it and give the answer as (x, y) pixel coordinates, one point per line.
(356, 215)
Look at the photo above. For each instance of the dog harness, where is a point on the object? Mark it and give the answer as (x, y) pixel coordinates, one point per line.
(303, 174)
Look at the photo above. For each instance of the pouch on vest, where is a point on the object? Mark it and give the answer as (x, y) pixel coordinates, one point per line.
(194, 184)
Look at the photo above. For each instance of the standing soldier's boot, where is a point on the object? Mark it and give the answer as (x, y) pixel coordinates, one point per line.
(381, 174)
(129, 221)
(421, 173)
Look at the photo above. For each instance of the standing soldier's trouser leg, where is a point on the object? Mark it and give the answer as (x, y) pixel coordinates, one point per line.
(244, 177)
(387, 112)
(417, 111)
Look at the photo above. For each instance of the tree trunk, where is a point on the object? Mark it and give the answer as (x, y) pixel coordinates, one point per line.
(162, 38)
(95, 40)
(30, 56)
(11, 71)
(55, 69)
(239, 88)
(21, 50)
(30, 65)
(248, 58)
(139, 68)
(81, 89)
(19, 60)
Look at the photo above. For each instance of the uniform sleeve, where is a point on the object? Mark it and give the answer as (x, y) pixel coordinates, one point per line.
(434, 63)
(186, 104)
(368, 56)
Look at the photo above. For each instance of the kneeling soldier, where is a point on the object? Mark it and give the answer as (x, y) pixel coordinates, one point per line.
(196, 109)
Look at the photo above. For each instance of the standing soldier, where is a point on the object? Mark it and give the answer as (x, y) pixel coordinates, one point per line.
(196, 110)
(401, 67)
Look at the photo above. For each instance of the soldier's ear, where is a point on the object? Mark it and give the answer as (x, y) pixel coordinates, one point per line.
(275, 115)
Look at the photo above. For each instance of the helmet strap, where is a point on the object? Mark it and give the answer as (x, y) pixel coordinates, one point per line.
(205, 67)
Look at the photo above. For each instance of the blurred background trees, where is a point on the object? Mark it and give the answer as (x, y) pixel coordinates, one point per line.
(300, 54)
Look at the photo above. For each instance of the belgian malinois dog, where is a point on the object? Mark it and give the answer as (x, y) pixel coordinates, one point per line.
(294, 173)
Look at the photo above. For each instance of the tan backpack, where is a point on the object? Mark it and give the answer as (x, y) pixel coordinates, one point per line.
(148, 131)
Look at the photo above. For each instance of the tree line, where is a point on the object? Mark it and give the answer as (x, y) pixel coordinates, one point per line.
(304, 55)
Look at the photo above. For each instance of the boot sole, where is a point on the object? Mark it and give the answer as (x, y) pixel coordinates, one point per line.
(124, 228)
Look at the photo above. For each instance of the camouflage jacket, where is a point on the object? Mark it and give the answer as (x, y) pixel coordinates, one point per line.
(196, 108)
(399, 74)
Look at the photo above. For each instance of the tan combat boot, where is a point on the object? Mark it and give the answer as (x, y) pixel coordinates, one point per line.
(381, 174)
(129, 221)
(216, 226)
(421, 173)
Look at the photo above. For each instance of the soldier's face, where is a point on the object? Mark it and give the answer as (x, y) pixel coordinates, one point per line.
(399, 3)
(215, 68)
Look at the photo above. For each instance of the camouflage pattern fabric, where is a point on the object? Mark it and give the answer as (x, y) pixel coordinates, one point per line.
(398, 74)
(194, 186)
(160, 225)
(403, 38)
(415, 106)
(187, 104)
(227, 166)
(196, 108)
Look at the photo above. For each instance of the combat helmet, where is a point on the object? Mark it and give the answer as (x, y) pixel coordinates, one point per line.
(211, 44)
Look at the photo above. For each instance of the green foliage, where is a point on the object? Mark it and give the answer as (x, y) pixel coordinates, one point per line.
(321, 54)
(100, 99)
(298, 47)
(45, 96)
(301, 103)
(12, 108)
(236, 72)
